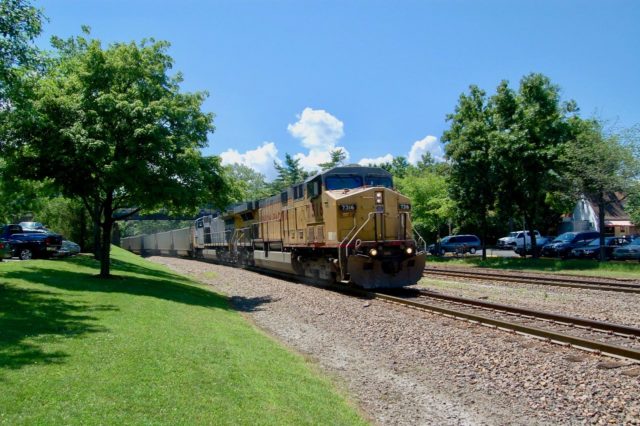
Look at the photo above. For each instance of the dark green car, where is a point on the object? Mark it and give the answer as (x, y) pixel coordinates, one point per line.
(5, 250)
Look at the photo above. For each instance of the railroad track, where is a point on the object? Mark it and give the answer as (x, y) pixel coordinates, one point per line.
(542, 280)
(594, 336)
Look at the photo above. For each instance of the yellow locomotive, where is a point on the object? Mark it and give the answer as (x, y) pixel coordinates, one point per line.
(346, 224)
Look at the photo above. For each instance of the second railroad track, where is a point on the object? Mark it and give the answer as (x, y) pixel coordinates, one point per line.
(514, 277)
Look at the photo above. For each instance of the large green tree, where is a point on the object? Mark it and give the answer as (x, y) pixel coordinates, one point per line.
(599, 165)
(112, 127)
(468, 146)
(289, 173)
(431, 205)
(20, 24)
(531, 128)
(247, 183)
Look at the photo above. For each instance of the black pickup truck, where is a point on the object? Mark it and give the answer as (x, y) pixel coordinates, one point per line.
(27, 244)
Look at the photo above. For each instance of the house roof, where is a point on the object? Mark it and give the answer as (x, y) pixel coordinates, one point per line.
(614, 207)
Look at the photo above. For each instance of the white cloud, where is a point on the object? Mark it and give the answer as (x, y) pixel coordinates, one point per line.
(260, 159)
(311, 160)
(317, 129)
(378, 160)
(319, 132)
(428, 144)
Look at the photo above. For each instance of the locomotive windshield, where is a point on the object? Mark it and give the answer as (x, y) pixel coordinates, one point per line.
(342, 182)
(372, 180)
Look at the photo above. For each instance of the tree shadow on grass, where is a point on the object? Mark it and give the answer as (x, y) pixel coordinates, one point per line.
(152, 285)
(121, 266)
(28, 316)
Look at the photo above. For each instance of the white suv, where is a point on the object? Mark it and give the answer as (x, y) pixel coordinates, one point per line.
(516, 239)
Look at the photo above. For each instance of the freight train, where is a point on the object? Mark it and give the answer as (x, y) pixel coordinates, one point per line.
(345, 225)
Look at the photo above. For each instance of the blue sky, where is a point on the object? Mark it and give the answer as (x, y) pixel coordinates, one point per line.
(376, 78)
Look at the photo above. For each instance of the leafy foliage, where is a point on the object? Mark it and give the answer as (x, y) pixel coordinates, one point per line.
(468, 146)
(598, 165)
(20, 24)
(505, 150)
(431, 206)
(247, 184)
(111, 127)
(337, 158)
(129, 228)
(288, 174)
(68, 217)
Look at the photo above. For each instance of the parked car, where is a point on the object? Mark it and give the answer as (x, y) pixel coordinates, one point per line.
(541, 241)
(592, 250)
(507, 242)
(455, 243)
(68, 248)
(5, 249)
(562, 245)
(629, 251)
(27, 244)
(511, 241)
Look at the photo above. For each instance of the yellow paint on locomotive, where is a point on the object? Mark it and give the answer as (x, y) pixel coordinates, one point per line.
(340, 224)
(321, 222)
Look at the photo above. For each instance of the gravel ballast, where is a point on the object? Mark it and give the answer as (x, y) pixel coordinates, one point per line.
(406, 367)
(608, 306)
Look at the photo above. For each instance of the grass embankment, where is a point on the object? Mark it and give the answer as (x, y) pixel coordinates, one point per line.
(151, 347)
(611, 269)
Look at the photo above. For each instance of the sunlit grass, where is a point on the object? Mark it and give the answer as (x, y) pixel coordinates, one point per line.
(149, 347)
(611, 269)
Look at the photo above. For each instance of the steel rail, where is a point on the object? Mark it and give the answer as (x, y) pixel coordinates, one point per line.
(578, 342)
(582, 322)
(604, 286)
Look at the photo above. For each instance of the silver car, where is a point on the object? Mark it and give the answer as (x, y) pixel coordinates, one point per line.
(68, 248)
(630, 251)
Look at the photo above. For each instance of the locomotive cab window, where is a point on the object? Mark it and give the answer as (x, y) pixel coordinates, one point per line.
(342, 182)
(372, 180)
(313, 188)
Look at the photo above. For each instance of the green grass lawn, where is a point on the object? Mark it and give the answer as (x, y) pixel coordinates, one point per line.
(150, 347)
(611, 269)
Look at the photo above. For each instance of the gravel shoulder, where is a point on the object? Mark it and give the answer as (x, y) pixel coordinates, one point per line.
(405, 367)
(616, 307)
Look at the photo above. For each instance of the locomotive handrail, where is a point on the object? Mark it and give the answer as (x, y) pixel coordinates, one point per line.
(424, 243)
(358, 231)
(340, 248)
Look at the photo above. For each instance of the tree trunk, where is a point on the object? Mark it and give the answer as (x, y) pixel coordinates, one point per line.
(524, 240)
(484, 237)
(96, 232)
(82, 237)
(107, 225)
(601, 213)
